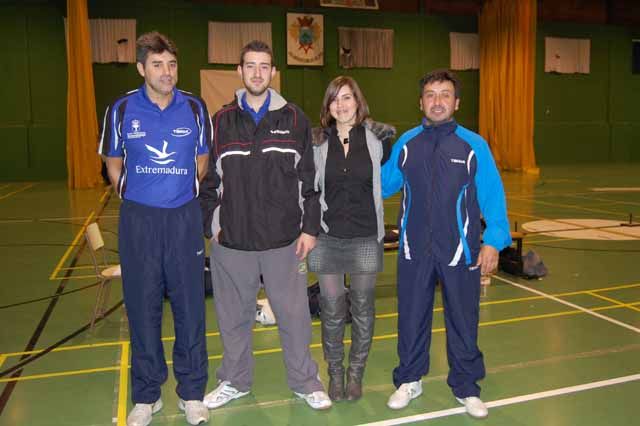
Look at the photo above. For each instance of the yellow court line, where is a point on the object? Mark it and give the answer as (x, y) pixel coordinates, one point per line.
(2, 358)
(617, 302)
(124, 358)
(60, 374)
(316, 323)
(31, 185)
(75, 268)
(123, 386)
(54, 274)
(73, 277)
(104, 196)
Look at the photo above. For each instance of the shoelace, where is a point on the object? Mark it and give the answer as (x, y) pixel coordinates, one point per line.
(226, 392)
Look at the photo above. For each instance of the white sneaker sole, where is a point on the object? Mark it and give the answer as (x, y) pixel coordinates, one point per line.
(183, 408)
(411, 398)
(213, 405)
(475, 416)
(315, 407)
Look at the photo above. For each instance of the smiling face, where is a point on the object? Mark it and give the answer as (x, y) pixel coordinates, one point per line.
(344, 106)
(438, 101)
(160, 73)
(256, 72)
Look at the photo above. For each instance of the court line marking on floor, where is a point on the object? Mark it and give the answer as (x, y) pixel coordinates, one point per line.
(631, 203)
(431, 379)
(31, 185)
(63, 259)
(509, 401)
(312, 346)
(124, 385)
(615, 301)
(567, 206)
(573, 305)
(577, 226)
(2, 359)
(316, 323)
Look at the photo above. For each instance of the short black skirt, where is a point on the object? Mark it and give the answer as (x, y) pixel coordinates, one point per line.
(333, 255)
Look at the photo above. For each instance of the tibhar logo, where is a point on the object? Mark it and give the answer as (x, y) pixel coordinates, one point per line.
(181, 132)
(280, 132)
(455, 160)
(135, 126)
(162, 157)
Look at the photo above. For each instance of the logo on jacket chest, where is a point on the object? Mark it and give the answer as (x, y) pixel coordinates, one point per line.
(280, 132)
(135, 130)
(458, 161)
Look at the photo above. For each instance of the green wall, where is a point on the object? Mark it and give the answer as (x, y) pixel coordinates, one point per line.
(578, 118)
(588, 117)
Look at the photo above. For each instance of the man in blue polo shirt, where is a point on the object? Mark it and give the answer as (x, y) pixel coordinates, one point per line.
(155, 143)
(449, 179)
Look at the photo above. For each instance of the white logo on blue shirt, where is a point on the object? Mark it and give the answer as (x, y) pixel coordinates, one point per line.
(136, 133)
(181, 132)
(455, 160)
(162, 157)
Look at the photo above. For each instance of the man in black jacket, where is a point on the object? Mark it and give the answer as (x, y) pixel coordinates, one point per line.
(262, 214)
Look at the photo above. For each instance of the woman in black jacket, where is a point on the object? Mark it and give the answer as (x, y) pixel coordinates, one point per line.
(348, 156)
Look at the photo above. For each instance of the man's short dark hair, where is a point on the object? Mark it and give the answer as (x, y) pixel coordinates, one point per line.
(153, 42)
(440, 76)
(256, 46)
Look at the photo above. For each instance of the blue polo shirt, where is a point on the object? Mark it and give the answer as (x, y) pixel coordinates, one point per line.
(256, 115)
(159, 147)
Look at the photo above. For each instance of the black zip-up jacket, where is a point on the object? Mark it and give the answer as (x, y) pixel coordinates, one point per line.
(259, 190)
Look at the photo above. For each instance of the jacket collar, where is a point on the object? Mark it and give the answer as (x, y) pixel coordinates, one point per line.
(277, 101)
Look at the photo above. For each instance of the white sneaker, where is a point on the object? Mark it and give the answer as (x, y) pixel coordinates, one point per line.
(141, 413)
(222, 394)
(404, 394)
(475, 407)
(318, 400)
(195, 411)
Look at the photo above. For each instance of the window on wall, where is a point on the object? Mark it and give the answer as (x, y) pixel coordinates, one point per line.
(465, 51)
(567, 55)
(226, 39)
(112, 40)
(635, 56)
(365, 47)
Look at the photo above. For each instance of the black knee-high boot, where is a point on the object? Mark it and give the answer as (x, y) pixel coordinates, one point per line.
(333, 315)
(363, 318)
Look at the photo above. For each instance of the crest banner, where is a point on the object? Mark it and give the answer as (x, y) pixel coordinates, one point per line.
(305, 39)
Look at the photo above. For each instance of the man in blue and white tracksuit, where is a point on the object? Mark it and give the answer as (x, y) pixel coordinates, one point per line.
(155, 142)
(448, 180)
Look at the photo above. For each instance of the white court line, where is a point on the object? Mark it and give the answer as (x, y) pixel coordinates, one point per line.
(508, 401)
(564, 302)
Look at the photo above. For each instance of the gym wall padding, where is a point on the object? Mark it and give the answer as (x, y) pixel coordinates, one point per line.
(591, 118)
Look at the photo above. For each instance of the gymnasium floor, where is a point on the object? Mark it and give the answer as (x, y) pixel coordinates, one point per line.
(564, 350)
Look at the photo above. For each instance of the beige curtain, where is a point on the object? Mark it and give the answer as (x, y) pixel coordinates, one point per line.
(227, 38)
(105, 34)
(365, 47)
(465, 51)
(112, 40)
(83, 164)
(218, 87)
(507, 76)
(567, 55)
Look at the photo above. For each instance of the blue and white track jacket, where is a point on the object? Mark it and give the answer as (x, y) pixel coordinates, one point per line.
(449, 179)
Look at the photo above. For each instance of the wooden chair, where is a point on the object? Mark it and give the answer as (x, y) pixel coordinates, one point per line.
(104, 272)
